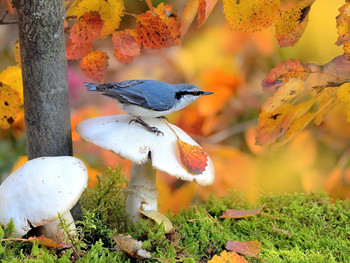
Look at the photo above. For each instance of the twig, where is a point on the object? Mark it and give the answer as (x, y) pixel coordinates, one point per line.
(230, 131)
(261, 190)
(212, 219)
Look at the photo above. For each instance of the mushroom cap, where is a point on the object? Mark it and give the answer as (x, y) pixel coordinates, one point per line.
(36, 192)
(135, 143)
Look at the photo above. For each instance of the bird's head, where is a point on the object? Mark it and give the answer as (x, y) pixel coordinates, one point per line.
(189, 92)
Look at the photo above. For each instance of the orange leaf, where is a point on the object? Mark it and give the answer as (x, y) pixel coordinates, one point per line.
(9, 6)
(150, 6)
(204, 9)
(159, 30)
(273, 125)
(193, 157)
(121, 58)
(10, 102)
(292, 22)
(125, 43)
(42, 240)
(87, 28)
(250, 16)
(233, 213)
(248, 248)
(188, 15)
(77, 50)
(281, 74)
(231, 257)
(343, 25)
(94, 65)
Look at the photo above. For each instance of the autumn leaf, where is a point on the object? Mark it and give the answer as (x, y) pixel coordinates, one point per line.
(158, 218)
(233, 213)
(10, 102)
(291, 23)
(343, 94)
(247, 248)
(42, 240)
(272, 125)
(228, 257)
(110, 12)
(131, 246)
(87, 28)
(94, 65)
(9, 6)
(17, 53)
(280, 75)
(159, 30)
(343, 25)
(250, 16)
(193, 157)
(12, 76)
(188, 15)
(204, 9)
(284, 94)
(125, 47)
(77, 50)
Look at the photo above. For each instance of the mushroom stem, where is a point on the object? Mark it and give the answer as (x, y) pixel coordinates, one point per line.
(142, 192)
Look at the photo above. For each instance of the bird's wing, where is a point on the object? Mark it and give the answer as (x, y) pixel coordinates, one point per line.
(148, 94)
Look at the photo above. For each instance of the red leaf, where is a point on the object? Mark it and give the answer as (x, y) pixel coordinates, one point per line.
(233, 213)
(125, 43)
(94, 65)
(77, 50)
(193, 157)
(248, 248)
(87, 28)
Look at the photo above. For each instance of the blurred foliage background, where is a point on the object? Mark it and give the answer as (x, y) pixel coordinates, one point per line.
(231, 64)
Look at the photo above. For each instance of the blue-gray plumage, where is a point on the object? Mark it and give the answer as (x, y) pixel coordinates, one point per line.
(149, 98)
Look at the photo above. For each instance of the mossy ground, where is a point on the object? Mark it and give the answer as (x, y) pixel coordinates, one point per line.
(303, 228)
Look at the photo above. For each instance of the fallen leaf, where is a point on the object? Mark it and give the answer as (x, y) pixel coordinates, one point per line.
(228, 257)
(250, 16)
(94, 65)
(87, 28)
(193, 157)
(77, 50)
(283, 72)
(159, 218)
(247, 248)
(10, 102)
(131, 246)
(42, 240)
(233, 213)
(291, 23)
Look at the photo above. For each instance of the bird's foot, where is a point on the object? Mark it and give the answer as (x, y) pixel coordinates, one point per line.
(148, 127)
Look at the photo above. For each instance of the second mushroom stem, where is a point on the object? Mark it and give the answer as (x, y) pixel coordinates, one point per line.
(142, 192)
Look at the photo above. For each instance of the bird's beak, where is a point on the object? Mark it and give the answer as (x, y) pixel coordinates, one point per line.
(206, 93)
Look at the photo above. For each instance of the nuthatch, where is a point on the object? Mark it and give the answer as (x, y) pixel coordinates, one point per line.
(145, 99)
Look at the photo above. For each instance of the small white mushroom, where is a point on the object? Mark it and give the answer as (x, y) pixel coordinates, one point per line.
(147, 151)
(36, 192)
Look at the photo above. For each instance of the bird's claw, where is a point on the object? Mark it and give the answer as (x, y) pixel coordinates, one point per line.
(148, 127)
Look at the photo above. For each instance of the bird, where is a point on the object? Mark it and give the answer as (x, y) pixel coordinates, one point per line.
(145, 99)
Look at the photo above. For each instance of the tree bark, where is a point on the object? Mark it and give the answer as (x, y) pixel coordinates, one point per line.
(45, 78)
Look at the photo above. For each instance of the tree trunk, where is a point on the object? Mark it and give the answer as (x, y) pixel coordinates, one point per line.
(45, 78)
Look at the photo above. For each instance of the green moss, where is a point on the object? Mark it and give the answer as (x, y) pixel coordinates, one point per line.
(299, 228)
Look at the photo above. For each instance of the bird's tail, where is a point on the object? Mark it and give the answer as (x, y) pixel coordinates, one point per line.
(91, 86)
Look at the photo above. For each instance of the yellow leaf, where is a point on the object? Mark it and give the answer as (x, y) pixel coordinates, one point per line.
(292, 22)
(110, 12)
(12, 76)
(225, 257)
(343, 94)
(9, 105)
(250, 16)
(343, 25)
(17, 54)
(158, 218)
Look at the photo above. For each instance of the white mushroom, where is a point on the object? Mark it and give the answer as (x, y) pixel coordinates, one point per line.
(36, 192)
(147, 151)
